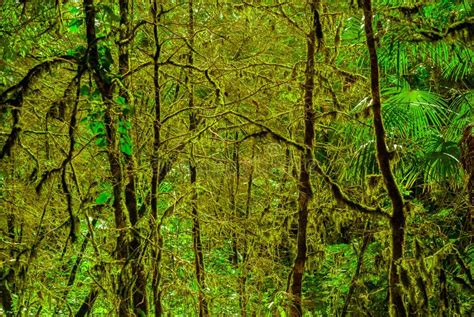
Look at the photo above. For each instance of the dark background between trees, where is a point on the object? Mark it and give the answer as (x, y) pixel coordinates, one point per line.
(230, 157)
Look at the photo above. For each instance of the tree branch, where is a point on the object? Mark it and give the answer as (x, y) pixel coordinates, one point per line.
(14, 96)
(343, 198)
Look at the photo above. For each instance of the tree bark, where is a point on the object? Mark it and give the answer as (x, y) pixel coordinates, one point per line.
(138, 289)
(234, 185)
(360, 260)
(105, 87)
(397, 219)
(155, 178)
(197, 244)
(88, 303)
(243, 296)
(467, 160)
(6, 298)
(304, 184)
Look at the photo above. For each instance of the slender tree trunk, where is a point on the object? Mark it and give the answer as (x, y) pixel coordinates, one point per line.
(7, 275)
(243, 298)
(88, 303)
(137, 289)
(77, 263)
(233, 192)
(355, 277)
(467, 159)
(6, 298)
(105, 87)
(197, 245)
(155, 178)
(124, 66)
(304, 184)
(397, 220)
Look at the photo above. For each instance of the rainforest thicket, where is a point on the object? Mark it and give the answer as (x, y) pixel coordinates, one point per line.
(236, 158)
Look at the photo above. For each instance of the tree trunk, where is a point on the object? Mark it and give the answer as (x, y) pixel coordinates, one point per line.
(360, 260)
(88, 303)
(138, 289)
(234, 185)
(243, 298)
(467, 160)
(304, 184)
(105, 87)
(155, 178)
(7, 275)
(197, 245)
(397, 219)
(6, 298)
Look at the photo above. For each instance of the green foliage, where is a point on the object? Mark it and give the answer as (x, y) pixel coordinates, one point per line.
(125, 140)
(77, 52)
(244, 64)
(74, 25)
(106, 196)
(95, 121)
(412, 114)
(105, 58)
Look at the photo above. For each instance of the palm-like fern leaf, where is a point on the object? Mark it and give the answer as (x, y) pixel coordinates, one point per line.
(413, 113)
(415, 120)
(462, 114)
(441, 161)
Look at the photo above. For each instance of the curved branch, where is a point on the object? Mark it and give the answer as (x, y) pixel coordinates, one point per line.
(132, 34)
(14, 96)
(435, 35)
(72, 126)
(343, 198)
(335, 188)
(268, 131)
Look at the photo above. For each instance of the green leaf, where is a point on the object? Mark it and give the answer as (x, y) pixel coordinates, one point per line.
(101, 142)
(109, 14)
(85, 91)
(126, 148)
(281, 310)
(165, 187)
(78, 52)
(74, 25)
(337, 248)
(105, 57)
(413, 113)
(103, 198)
(121, 100)
(96, 94)
(444, 213)
(162, 205)
(97, 128)
(122, 130)
(74, 10)
(202, 92)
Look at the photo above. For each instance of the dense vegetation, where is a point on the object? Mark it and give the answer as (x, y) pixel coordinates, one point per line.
(236, 157)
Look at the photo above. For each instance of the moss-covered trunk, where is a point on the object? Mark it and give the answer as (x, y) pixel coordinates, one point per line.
(397, 219)
(304, 183)
(196, 231)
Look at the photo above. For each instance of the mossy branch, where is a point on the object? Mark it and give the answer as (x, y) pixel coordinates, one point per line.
(436, 35)
(343, 198)
(267, 131)
(335, 188)
(72, 126)
(14, 96)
